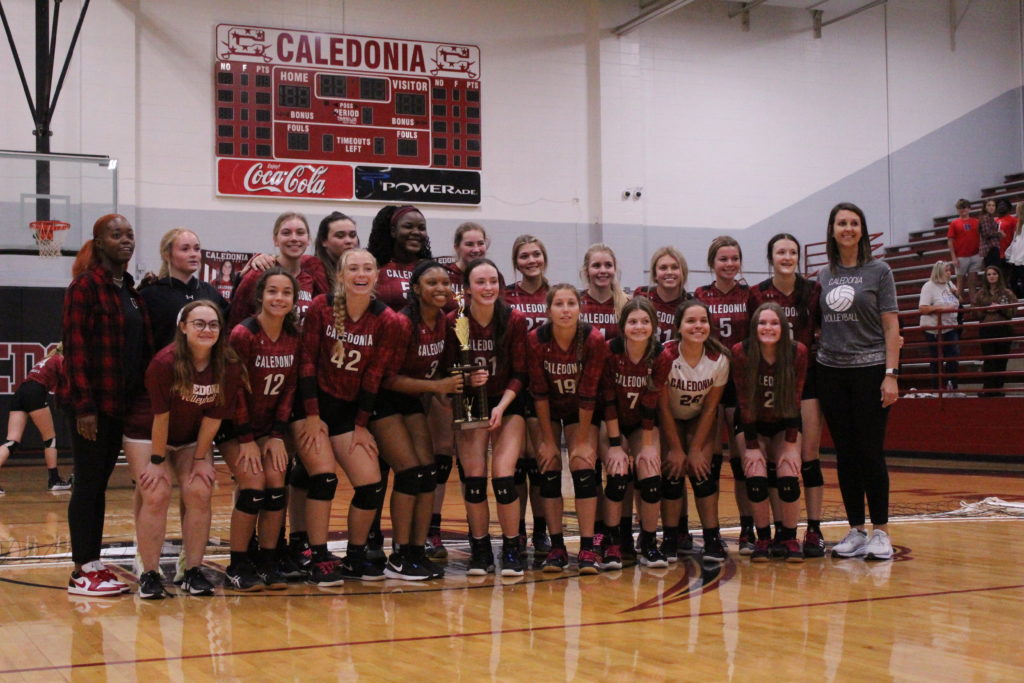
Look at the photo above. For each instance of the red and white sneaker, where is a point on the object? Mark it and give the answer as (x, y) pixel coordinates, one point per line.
(96, 580)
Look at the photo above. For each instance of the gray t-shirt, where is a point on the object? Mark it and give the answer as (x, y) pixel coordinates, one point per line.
(852, 303)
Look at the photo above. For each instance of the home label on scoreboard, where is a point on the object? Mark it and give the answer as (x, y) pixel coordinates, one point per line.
(298, 111)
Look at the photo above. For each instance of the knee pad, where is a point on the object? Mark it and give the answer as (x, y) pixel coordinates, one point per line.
(444, 468)
(520, 476)
(249, 501)
(707, 486)
(322, 486)
(789, 489)
(298, 476)
(368, 496)
(407, 481)
(475, 489)
(275, 499)
(551, 484)
(671, 489)
(737, 469)
(428, 478)
(773, 475)
(757, 489)
(505, 490)
(533, 472)
(811, 473)
(650, 489)
(584, 483)
(51, 442)
(12, 446)
(615, 487)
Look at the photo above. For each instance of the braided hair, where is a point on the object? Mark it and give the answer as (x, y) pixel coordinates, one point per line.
(381, 242)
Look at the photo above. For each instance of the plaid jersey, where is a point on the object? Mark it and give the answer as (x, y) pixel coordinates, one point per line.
(47, 372)
(421, 349)
(688, 385)
(631, 389)
(312, 283)
(506, 365)
(187, 412)
(355, 374)
(989, 234)
(393, 283)
(273, 370)
(568, 379)
(729, 321)
(534, 307)
(802, 307)
(600, 315)
(94, 338)
(764, 408)
(666, 310)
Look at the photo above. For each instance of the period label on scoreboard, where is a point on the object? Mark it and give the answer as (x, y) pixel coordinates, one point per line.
(298, 111)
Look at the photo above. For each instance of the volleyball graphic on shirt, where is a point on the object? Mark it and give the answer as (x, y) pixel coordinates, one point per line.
(841, 298)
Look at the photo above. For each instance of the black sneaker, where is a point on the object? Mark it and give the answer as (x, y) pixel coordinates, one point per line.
(243, 577)
(271, 577)
(326, 573)
(715, 552)
(670, 548)
(375, 554)
(778, 548)
(58, 484)
(151, 586)
(627, 547)
(301, 555)
(360, 568)
(511, 564)
(405, 569)
(651, 557)
(541, 543)
(436, 570)
(814, 544)
(685, 542)
(556, 561)
(481, 560)
(287, 567)
(195, 583)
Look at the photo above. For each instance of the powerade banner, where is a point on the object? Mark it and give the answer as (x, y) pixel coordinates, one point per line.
(392, 184)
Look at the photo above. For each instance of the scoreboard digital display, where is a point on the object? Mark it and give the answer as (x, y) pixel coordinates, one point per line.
(311, 115)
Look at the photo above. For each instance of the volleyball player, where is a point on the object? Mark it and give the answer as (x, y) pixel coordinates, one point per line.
(335, 235)
(603, 298)
(566, 360)
(470, 244)
(398, 241)
(769, 370)
(667, 290)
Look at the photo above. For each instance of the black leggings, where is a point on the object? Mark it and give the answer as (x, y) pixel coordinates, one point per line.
(994, 367)
(94, 463)
(851, 399)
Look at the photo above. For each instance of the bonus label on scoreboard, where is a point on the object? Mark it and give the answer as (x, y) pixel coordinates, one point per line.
(328, 116)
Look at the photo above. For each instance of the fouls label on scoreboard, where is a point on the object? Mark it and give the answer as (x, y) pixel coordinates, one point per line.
(296, 111)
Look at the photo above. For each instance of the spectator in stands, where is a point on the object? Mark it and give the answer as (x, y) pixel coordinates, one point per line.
(994, 325)
(1007, 225)
(990, 237)
(939, 303)
(962, 238)
(1015, 254)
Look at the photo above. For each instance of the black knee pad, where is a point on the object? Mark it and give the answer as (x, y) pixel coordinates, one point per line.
(298, 476)
(428, 478)
(533, 472)
(475, 489)
(551, 484)
(704, 487)
(650, 489)
(407, 481)
(737, 469)
(444, 468)
(322, 486)
(671, 489)
(757, 489)
(520, 476)
(51, 442)
(615, 487)
(275, 499)
(789, 489)
(505, 490)
(368, 496)
(12, 446)
(249, 501)
(811, 473)
(584, 483)
(773, 475)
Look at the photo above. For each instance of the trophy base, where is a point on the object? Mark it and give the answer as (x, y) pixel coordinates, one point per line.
(462, 425)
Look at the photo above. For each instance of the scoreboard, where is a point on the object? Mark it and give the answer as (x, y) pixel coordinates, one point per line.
(305, 115)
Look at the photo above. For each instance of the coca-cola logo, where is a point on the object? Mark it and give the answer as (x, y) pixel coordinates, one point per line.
(302, 178)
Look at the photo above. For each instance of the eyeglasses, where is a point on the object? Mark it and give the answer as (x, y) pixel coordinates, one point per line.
(201, 325)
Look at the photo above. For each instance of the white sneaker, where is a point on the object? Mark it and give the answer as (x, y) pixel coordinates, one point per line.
(878, 547)
(854, 545)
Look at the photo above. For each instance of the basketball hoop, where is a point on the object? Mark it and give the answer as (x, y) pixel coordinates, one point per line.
(49, 236)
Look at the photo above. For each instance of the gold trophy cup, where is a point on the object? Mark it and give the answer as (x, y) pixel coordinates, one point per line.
(470, 409)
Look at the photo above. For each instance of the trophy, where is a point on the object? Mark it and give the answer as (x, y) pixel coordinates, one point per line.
(469, 409)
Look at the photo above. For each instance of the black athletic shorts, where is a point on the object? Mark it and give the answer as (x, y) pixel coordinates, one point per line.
(390, 403)
(339, 415)
(30, 397)
(729, 397)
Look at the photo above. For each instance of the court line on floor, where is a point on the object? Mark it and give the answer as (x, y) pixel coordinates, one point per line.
(508, 631)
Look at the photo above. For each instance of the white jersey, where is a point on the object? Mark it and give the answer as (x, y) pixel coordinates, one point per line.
(687, 386)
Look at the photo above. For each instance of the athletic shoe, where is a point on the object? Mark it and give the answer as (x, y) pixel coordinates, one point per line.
(106, 575)
(375, 554)
(627, 547)
(652, 557)
(436, 570)
(301, 556)
(434, 548)
(326, 574)
(272, 577)
(762, 550)
(243, 577)
(814, 544)
(778, 549)
(151, 586)
(715, 552)
(405, 569)
(878, 547)
(685, 543)
(511, 564)
(854, 545)
(521, 544)
(747, 544)
(94, 583)
(287, 567)
(481, 560)
(556, 561)
(59, 485)
(541, 543)
(611, 558)
(360, 568)
(587, 560)
(794, 551)
(670, 548)
(195, 583)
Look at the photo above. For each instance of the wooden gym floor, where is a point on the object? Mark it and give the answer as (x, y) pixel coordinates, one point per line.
(948, 608)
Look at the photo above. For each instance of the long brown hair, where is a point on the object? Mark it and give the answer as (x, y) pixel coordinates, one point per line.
(832, 247)
(642, 303)
(989, 294)
(221, 355)
(787, 403)
(330, 264)
(87, 256)
(521, 242)
(502, 311)
(291, 319)
(340, 305)
(712, 345)
(579, 339)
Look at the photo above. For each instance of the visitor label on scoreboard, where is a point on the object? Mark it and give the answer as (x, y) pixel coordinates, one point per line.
(320, 104)
(417, 185)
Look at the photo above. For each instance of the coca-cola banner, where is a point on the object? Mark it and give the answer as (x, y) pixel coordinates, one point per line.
(284, 179)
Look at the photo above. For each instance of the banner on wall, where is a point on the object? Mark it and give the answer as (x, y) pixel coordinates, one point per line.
(219, 268)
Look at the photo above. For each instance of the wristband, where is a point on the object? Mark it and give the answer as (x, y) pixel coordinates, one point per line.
(157, 459)
(614, 441)
(203, 459)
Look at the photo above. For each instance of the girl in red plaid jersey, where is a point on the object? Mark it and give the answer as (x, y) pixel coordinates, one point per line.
(335, 235)
(398, 241)
(343, 359)
(769, 370)
(566, 359)
(603, 299)
(253, 442)
(668, 275)
(497, 343)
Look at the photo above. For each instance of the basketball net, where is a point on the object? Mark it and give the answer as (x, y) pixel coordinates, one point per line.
(49, 236)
